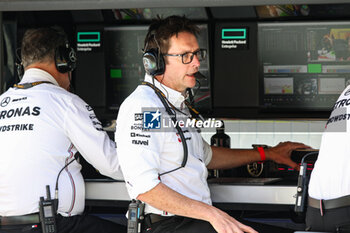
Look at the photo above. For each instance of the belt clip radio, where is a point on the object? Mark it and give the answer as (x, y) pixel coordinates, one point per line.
(47, 213)
(303, 184)
(301, 190)
(135, 216)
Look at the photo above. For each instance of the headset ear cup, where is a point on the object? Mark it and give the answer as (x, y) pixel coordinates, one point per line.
(65, 59)
(60, 60)
(161, 65)
(149, 60)
(153, 64)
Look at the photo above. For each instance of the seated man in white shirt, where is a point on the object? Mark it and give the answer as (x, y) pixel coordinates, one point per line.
(177, 197)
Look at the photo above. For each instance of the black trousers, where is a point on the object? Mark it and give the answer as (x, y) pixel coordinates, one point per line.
(179, 224)
(74, 224)
(333, 220)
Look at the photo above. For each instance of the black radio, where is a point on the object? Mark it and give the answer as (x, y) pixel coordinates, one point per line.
(47, 213)
(303, 182)
(135, 216)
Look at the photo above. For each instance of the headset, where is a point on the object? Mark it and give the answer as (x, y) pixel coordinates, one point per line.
(153, 60)
(65, 57)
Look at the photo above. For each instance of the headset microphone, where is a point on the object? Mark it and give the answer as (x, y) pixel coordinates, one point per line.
(19, 64)
(199, 75)
(20, 70)
(190, 95)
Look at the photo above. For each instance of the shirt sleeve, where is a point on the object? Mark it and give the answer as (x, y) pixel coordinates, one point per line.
(208, 153)
(138, 150)
(86, 133)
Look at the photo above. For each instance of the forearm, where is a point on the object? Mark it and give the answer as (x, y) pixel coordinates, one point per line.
(224, 158)
(166, 199)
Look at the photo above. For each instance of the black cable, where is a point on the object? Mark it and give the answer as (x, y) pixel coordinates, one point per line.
(56, 186)
(71, 87)
(161, 84)
(58, 176)
(195, 92)
(172, 114)
(310, 153)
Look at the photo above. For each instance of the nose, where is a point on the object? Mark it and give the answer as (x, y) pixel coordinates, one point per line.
(195, 61)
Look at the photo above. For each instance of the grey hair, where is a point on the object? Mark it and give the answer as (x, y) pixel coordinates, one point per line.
(40, 44)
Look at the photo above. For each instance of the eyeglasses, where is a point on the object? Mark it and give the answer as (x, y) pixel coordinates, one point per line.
(188, 56)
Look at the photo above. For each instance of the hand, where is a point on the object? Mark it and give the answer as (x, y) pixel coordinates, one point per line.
(224, 223)
(282, 152)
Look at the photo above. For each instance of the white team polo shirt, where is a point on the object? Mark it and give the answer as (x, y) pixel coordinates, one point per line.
(41, 128)
(143, 155)
(330, 177)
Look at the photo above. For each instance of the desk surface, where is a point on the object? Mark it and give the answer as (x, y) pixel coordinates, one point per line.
(221, 193)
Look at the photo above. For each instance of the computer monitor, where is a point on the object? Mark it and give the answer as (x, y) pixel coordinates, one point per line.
(124, 68)
(303, 65)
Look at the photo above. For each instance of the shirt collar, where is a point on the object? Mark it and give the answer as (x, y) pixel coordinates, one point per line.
(175, 97)
(36, 75)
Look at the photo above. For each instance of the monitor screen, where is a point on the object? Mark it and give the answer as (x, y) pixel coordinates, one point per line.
(270, 11)
(303, 65)
(124, 68)
(123, 46)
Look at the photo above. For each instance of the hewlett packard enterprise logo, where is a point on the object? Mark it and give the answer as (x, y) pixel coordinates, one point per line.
(152, 119)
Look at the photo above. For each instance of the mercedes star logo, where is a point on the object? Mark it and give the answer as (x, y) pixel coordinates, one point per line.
(72, 56)
(347, 93)
(5, 101)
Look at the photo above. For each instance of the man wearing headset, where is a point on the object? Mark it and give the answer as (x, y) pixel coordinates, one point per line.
(177, 198)
(42, 127)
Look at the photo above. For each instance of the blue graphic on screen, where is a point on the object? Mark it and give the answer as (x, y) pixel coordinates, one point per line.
(151, 119)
